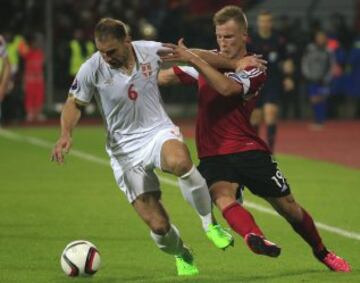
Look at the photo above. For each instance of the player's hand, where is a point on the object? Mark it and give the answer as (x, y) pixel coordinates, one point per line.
(61, 147)
(178, 52)
(251, 61)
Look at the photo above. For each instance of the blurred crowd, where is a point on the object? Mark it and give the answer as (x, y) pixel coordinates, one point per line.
(317, 62)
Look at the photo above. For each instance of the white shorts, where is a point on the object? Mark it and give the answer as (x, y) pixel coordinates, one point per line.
(139, 177)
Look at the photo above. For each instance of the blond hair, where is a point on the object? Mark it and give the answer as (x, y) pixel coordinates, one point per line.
(231, 13)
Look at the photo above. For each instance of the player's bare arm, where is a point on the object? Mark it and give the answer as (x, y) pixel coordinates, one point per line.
(70, 116)
(217, 80)
(217, 60)
(167, 77)
(5, 75)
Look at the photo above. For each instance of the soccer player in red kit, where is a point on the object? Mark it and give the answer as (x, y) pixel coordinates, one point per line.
(231, 154)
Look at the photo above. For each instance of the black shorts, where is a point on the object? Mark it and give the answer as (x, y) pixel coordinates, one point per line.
(269, 94)
(254, 169)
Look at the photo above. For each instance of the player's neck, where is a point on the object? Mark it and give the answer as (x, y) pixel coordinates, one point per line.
(129, 66)
(242, 53)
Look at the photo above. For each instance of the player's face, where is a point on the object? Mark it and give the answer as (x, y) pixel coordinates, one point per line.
(114, 52)
(265, 23)
(230, 38)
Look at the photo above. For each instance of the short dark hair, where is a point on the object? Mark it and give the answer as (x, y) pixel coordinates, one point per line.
(230, 12)
(110, 27)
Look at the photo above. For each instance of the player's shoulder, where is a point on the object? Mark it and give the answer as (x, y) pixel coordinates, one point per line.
(90, 67)
(93, 63)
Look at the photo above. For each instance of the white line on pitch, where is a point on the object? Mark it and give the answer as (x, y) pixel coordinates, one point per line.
(89, 157)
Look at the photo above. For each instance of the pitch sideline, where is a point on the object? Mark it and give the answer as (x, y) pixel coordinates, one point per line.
(89, 157)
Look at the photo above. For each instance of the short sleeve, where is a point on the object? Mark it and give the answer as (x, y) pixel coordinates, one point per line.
(83, 87)
(186, 74)
(251, 79)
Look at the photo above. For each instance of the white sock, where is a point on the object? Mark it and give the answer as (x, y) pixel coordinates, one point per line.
(170, 243)
(195, 191)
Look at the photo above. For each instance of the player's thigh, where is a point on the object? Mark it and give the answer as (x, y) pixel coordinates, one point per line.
(150, 209)
(175, 157)
(134, 181)
(271, 111)
(223, 193)
(218, 169)
(261, 175)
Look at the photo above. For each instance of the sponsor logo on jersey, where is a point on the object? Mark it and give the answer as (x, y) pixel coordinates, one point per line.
(146, 69)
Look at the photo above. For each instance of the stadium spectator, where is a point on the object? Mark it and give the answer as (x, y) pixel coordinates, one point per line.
(354, 82)
(13, 102)
(290, 95)
(317, 65)
(230, 152)
(34, 85)
(122, 76)
(5, 70)
(269, 43)
(80, 49)
(290, 100)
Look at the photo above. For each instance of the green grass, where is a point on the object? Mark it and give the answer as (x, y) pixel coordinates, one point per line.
(44, 206)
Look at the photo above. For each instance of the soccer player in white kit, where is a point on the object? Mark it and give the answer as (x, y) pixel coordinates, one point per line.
(122, 77)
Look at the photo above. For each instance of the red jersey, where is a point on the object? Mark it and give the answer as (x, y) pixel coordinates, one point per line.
(223, 123)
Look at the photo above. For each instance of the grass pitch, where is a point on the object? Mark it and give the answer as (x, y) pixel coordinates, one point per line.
(44, 206)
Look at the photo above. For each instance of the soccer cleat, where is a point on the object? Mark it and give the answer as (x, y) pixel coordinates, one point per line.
(336, 263)
(219, 236)
(259, 245)
(185, 264)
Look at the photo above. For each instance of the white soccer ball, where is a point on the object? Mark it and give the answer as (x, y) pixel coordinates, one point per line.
(80, 258)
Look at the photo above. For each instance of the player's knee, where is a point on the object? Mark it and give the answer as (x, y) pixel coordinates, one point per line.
(160, 226)
(179, 165)
(223, 202)
(222, 194)
(292, 212)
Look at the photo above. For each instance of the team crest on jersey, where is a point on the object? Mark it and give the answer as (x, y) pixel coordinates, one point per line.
(146, 69)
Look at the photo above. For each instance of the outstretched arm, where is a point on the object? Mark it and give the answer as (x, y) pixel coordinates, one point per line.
(167, 77)
(222, 84)
(5, 76)
(219, 61)
(70, 116)
(216, 60)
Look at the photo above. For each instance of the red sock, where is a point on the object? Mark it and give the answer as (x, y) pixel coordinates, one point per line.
(240, 220)
(307, 230)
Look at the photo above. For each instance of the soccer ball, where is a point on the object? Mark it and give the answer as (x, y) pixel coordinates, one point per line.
(80, 258)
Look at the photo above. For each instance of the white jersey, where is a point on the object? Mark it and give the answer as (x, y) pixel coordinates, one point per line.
(131, 105)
